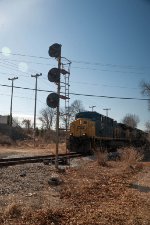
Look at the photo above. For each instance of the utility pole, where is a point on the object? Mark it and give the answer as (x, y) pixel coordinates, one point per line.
(107, 111)
(93, 106)
(12, 87)
(36, 77)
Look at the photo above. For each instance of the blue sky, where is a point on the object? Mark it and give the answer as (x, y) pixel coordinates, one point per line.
(108, 42)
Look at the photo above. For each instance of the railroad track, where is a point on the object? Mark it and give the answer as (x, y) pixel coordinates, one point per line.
(62, 159)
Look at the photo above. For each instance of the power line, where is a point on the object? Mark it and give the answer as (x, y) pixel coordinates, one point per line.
(78, 94)
(24, 55)
(110, 65)
(106, 70)
(104, 96)
(83, 62)
(94, 69)
(85, 83)
(13, 66)
(25, 88)
(16, 96)
(15, 60)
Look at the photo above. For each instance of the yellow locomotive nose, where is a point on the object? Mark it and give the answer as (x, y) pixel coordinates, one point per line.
(82, 127)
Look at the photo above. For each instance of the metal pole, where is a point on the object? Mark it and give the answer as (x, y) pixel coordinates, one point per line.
(57, 117)
(36, 76)
(12, 79)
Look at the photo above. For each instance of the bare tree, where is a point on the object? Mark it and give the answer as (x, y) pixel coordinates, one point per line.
(47, 117)
(27, 123)
(74, 108)
(131, 120)
(145, 86)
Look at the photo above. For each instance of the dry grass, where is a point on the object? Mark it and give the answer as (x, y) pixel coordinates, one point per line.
(5, 140)
(27, 149)
(13, 211)
(130, 155)
(131, 158)
(101, 158)
(91, 195)
(16, 215)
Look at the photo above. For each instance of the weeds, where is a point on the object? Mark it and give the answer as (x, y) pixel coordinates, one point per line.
(130, 155)
(101, 158)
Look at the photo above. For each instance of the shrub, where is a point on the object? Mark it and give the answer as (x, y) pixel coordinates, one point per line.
(101, 157)
(130, 155)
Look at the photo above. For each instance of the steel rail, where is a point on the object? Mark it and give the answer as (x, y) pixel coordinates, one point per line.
(37, 159)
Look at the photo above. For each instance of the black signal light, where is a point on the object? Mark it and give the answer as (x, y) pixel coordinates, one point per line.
(52, 100)
(55, 50)
(54, 75)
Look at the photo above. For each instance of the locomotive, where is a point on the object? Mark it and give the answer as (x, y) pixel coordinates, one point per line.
(93, 131)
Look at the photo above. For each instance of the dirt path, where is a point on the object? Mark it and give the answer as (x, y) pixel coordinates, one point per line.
(30, 150)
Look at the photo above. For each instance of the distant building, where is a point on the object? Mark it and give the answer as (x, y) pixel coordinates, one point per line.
(3, 119)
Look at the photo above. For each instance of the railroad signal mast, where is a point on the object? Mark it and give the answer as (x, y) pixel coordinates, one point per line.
(53, 99)
(66, 86)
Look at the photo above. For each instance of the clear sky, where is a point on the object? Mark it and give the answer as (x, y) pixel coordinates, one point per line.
(108, 42)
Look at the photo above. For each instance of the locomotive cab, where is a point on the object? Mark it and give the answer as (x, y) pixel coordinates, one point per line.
(82, 127)
(81, 132)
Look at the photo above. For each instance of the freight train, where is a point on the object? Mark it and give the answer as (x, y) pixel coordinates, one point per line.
(91, 131)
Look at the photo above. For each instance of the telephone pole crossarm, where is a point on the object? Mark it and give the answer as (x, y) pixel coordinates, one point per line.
(107, 109)
(93, 106)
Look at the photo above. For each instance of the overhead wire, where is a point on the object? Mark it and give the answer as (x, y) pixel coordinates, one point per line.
(83, 62)
(106, 70)
(79, 94)
(111, 65)
(16, 96)
(24, 55)
(96, 69)
(75, 61)
(76, 82)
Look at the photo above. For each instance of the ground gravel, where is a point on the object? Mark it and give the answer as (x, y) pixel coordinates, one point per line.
(88, 195)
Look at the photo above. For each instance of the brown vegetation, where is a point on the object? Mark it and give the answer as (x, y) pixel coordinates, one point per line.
(101, 157)
(130, 155)
(90, 194)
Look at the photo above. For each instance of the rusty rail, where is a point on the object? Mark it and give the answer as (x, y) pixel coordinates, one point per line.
(37, 159)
